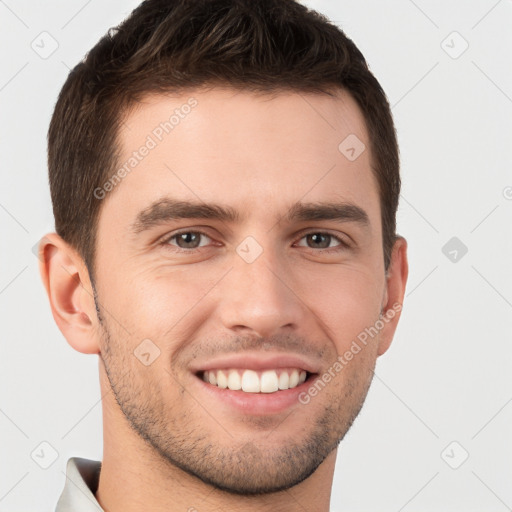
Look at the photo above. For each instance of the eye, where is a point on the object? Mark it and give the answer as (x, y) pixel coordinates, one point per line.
(321, 240)
(186, 239)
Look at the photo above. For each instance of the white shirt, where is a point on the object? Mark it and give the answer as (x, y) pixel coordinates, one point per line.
(82, 477)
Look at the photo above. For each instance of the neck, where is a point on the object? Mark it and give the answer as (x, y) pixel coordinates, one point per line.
(134, 477)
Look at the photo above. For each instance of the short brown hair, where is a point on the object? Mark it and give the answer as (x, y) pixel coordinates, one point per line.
(175, 45)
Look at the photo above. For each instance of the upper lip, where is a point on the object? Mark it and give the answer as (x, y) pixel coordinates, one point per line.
(257, 362)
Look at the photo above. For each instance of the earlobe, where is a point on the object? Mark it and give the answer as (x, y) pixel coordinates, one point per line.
(396, 280)
(66, 280)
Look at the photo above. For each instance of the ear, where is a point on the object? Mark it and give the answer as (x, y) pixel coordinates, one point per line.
(396, 279)
(66, 279)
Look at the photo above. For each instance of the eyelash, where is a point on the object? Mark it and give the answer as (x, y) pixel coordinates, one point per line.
(342, 244)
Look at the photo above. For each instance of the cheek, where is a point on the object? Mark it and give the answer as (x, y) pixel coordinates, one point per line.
(161, 304)
(347, 288)
(347, 302)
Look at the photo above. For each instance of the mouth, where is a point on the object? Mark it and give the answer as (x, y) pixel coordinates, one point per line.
(255, 383)
(252, 381)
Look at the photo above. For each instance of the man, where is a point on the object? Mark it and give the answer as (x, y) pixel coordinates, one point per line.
(225, 180)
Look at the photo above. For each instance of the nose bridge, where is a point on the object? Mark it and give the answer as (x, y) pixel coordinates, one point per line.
(257, 296)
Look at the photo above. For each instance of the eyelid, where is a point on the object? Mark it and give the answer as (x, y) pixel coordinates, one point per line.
(165, 240)
(344, 240)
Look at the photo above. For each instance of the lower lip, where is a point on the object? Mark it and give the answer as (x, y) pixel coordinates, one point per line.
(257, 403)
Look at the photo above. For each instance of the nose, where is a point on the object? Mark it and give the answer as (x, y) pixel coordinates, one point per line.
(258, 297)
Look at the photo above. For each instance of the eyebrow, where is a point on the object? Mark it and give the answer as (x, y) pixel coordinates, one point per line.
(166, 209)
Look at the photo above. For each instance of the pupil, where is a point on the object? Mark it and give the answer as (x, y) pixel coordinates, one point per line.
(317, 238)
(185, 237)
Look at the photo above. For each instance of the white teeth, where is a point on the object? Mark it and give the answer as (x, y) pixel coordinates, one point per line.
(269, 382)
(234, 380)
(294, 379)
(222, 380)
(250, 381)
(284, 381)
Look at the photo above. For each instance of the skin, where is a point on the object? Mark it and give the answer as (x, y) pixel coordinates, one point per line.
(167, 445)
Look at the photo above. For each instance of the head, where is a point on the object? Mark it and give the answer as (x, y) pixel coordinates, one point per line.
(225, 178)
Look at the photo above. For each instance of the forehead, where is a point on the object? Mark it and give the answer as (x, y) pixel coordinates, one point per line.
(256, 153)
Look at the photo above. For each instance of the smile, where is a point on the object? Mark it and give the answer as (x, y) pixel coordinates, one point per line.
(250, 381)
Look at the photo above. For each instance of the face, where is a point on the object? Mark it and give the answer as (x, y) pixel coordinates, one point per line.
(242, 247)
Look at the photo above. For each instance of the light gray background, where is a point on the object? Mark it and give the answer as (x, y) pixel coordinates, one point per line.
(446, 377)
